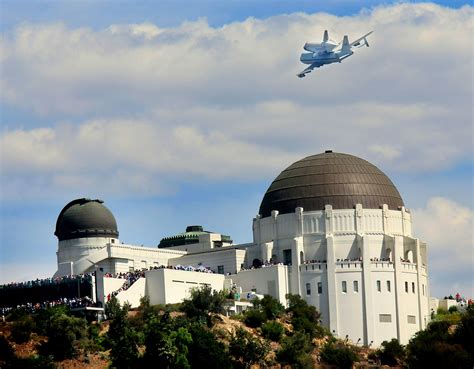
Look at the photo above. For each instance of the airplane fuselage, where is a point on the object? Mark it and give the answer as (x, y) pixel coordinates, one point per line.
(328, 52)
(324, 57)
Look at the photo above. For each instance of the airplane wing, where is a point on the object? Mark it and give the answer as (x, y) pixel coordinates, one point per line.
(309, 70)
(357, 42)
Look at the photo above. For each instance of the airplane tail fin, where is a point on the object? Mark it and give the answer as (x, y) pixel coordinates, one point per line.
(345, 41)
(326, 36)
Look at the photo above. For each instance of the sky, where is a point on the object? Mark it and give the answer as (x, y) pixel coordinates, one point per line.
(183, 112)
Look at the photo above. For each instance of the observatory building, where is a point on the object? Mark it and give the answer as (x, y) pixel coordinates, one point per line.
(331, 227)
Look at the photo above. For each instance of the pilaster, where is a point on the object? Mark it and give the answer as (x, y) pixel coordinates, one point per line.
(332, 286)
(399, 288)
(369, 326)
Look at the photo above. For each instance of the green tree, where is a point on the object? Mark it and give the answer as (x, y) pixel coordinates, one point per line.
(206, 351)
(181, 339)
(122, 339)
(296, 351)
(254, 318)
(391, 352)
(339, 354)
(6, 351)
(304, 317)
(272, 330)
(436, 347)
(246, 350)
(63, 332)
(22, 328)
(203, 303)
(271, 307)
(464, 334)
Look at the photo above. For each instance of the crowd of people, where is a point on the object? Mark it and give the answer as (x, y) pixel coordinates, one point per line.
(47, 281)
(314, 261)
(32, 307)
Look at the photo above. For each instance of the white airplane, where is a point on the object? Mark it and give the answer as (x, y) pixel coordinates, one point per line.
(328, 52)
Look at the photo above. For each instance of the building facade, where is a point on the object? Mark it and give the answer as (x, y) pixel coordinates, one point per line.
(331, 227)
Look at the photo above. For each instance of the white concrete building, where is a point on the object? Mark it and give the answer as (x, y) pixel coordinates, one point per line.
(333, 227)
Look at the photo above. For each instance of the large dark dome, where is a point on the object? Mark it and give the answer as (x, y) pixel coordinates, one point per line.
(85, 218)
(336, 179)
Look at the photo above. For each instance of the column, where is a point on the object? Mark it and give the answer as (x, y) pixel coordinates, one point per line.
(399, 288)
(332, 286)
(369, 326)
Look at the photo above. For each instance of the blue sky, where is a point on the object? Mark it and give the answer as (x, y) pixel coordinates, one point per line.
(181, 112)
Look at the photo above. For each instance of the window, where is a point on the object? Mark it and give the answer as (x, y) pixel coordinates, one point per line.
(413, 287)
(385, 318)
(389, 288)
(220, 269)
(320, 288)
(308, 288)
(356, 286)
(344, 287)
(112, 240)
(423, 289)
(411, 319)
(379, 286)
(406, 287)
(287, 257)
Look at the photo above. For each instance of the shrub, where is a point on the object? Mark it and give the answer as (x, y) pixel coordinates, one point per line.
(464, 334)
(304, 317)
(205, 351)
(296, 351)
(247, 350)
(204, 302)
(63, 332)
(254, 318)
(271, 307)
(273, 331)
(435, 347)
(391, 352)
(338, 354)
(453, 309)
(21, 329)
(6, 350)
(121, 337)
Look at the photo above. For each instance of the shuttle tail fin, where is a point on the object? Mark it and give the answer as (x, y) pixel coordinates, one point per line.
(345, 41)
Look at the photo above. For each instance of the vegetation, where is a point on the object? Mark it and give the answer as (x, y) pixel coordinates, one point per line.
(391, 352)
(442, 347)
(191, 336)
(339, 354)
(203, 303)
(246, 350)
(296, 351)
(273, 330)
(304, 317)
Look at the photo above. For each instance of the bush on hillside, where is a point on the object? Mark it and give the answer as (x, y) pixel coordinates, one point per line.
(296, 351)
(21, 329)
(391, 352)
(273, 330)
(254, 318)
(339, 354)
(247, 350)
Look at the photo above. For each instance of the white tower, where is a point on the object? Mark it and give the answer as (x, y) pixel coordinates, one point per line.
(342, 226)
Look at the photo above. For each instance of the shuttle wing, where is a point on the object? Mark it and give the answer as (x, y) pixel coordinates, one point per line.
(357, 42)
(309, 69)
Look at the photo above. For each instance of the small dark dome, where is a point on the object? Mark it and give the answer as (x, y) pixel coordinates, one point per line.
(85, 218)
(336, 179)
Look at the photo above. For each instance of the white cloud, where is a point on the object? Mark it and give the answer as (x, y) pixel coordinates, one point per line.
(447, 227)
(152, 103)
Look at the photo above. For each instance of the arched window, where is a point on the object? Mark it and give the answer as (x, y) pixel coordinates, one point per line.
(301, 257)
(388, 254)
(409, 256)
